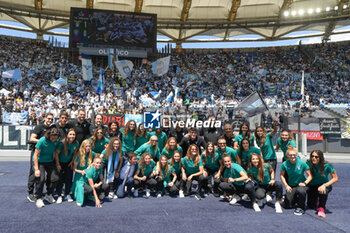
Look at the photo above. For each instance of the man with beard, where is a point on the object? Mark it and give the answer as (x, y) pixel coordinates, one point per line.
(61, 125)
(193, 138)
(81, 126)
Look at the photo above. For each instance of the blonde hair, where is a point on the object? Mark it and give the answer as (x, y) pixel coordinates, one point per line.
(189, 154)
(159, 165)
(149, 142)
(167, 146)
(82, 153)
(260, 166)
(142, 162)
(109, 148)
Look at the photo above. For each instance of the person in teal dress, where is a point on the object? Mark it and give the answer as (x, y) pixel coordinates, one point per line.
(142, 136)
(210, 159)
(264, 141)
(192, 169)
(297, 184)
(65, 153)
(166, 175)
(112, 162)
(244, 133)
(245, 151)
(144, 176)
(129, 136)
(151, 147)
(43, 162)
(320, 185)
(263, 174)
(171, 146)
(286, 139)
(98, 141)
(81, 163)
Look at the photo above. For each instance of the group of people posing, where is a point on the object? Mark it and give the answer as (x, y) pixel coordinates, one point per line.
(132, 162)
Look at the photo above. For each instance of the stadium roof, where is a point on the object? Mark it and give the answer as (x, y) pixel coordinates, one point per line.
(187, 20)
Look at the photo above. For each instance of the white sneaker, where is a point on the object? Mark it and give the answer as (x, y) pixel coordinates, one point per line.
(79, 204)
(235, 199)
(181, 194)
(245, 197)
(69, 198)
(136, 193)
(278, 208)
(110, 195)
(59, 200)
(222, 197)
(261, 202)
(256, 207)
(39, 203)
(159, 195)
(268, 198)
(115, 196)
(148, 193)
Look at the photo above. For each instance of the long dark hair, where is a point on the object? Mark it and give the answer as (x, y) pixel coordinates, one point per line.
(248, 131)
(240, 151)
(65, 140)
(322, 162)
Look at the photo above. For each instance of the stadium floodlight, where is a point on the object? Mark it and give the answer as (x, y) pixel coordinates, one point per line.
(310, 11)
(345, 6)
(301, 12)
(328, 8)
(336, 8)
(294, 13)
(286, 13)
(318, 10)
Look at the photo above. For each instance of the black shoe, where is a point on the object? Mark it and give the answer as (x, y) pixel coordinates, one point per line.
(299, 211)
(198, 196)
(31, 197)
(216, 194)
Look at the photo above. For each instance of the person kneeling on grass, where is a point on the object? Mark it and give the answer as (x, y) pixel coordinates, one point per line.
(296, 185)
(236, 182)
(94, 182)
(320, 185)
(264, 175)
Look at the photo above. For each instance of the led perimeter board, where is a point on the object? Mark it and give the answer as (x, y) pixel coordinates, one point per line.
(106, 29)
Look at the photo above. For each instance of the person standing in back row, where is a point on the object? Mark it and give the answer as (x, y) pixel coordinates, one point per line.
(81, 126)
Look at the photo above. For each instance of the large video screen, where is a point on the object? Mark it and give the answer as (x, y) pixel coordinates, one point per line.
(102, 28)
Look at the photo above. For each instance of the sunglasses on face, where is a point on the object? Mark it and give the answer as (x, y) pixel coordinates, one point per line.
(315, 156)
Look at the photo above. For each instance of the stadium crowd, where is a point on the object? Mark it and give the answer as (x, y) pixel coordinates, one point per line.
(213, 80)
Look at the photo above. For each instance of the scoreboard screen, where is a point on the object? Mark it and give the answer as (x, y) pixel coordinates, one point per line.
(103, 28)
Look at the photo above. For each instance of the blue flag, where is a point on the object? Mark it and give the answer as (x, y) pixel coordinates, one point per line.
(99, 88)
(86, 67)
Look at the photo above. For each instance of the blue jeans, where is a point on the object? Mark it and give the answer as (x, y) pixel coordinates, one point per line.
(121, 189)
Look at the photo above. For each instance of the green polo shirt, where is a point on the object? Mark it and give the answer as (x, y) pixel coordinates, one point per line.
(284, 146)
(268, 150)
(171, 152)
(47, 150)
(253, 171)
(295, 171)
(148, 169)
(234, 172)
(66, 158)
(190, 168)
(209, 163)
(317, 177)
(233, 153)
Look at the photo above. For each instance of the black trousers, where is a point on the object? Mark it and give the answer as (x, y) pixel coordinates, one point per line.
(31, 176)
(313, 196)
(150, 183)
(261, 191)
(51, 178)
(173, 190)
(66, 177)
(212, 173)
(231, 188)
(101, 190)
(202, 182)
(297, 195)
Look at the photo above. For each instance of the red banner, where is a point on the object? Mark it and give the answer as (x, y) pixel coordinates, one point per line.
(311, 135)
(107, 118)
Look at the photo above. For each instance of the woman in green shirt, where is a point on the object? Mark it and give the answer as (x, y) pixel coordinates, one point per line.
(43, 161)
(151, 147)
(144, 176)
(170, 147)
(82, 162)
(112, 162)
(98, 141)
(236, 182)
(210, 160)
(264, 141)
(244, 133)
(296, 185)
(320, 185)
(166, 175)
(142, 136)
(175, 163)
(264, 175)
(245, 151)
(192, 169)
(286, 139)
(65, 153)
(129, 136)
